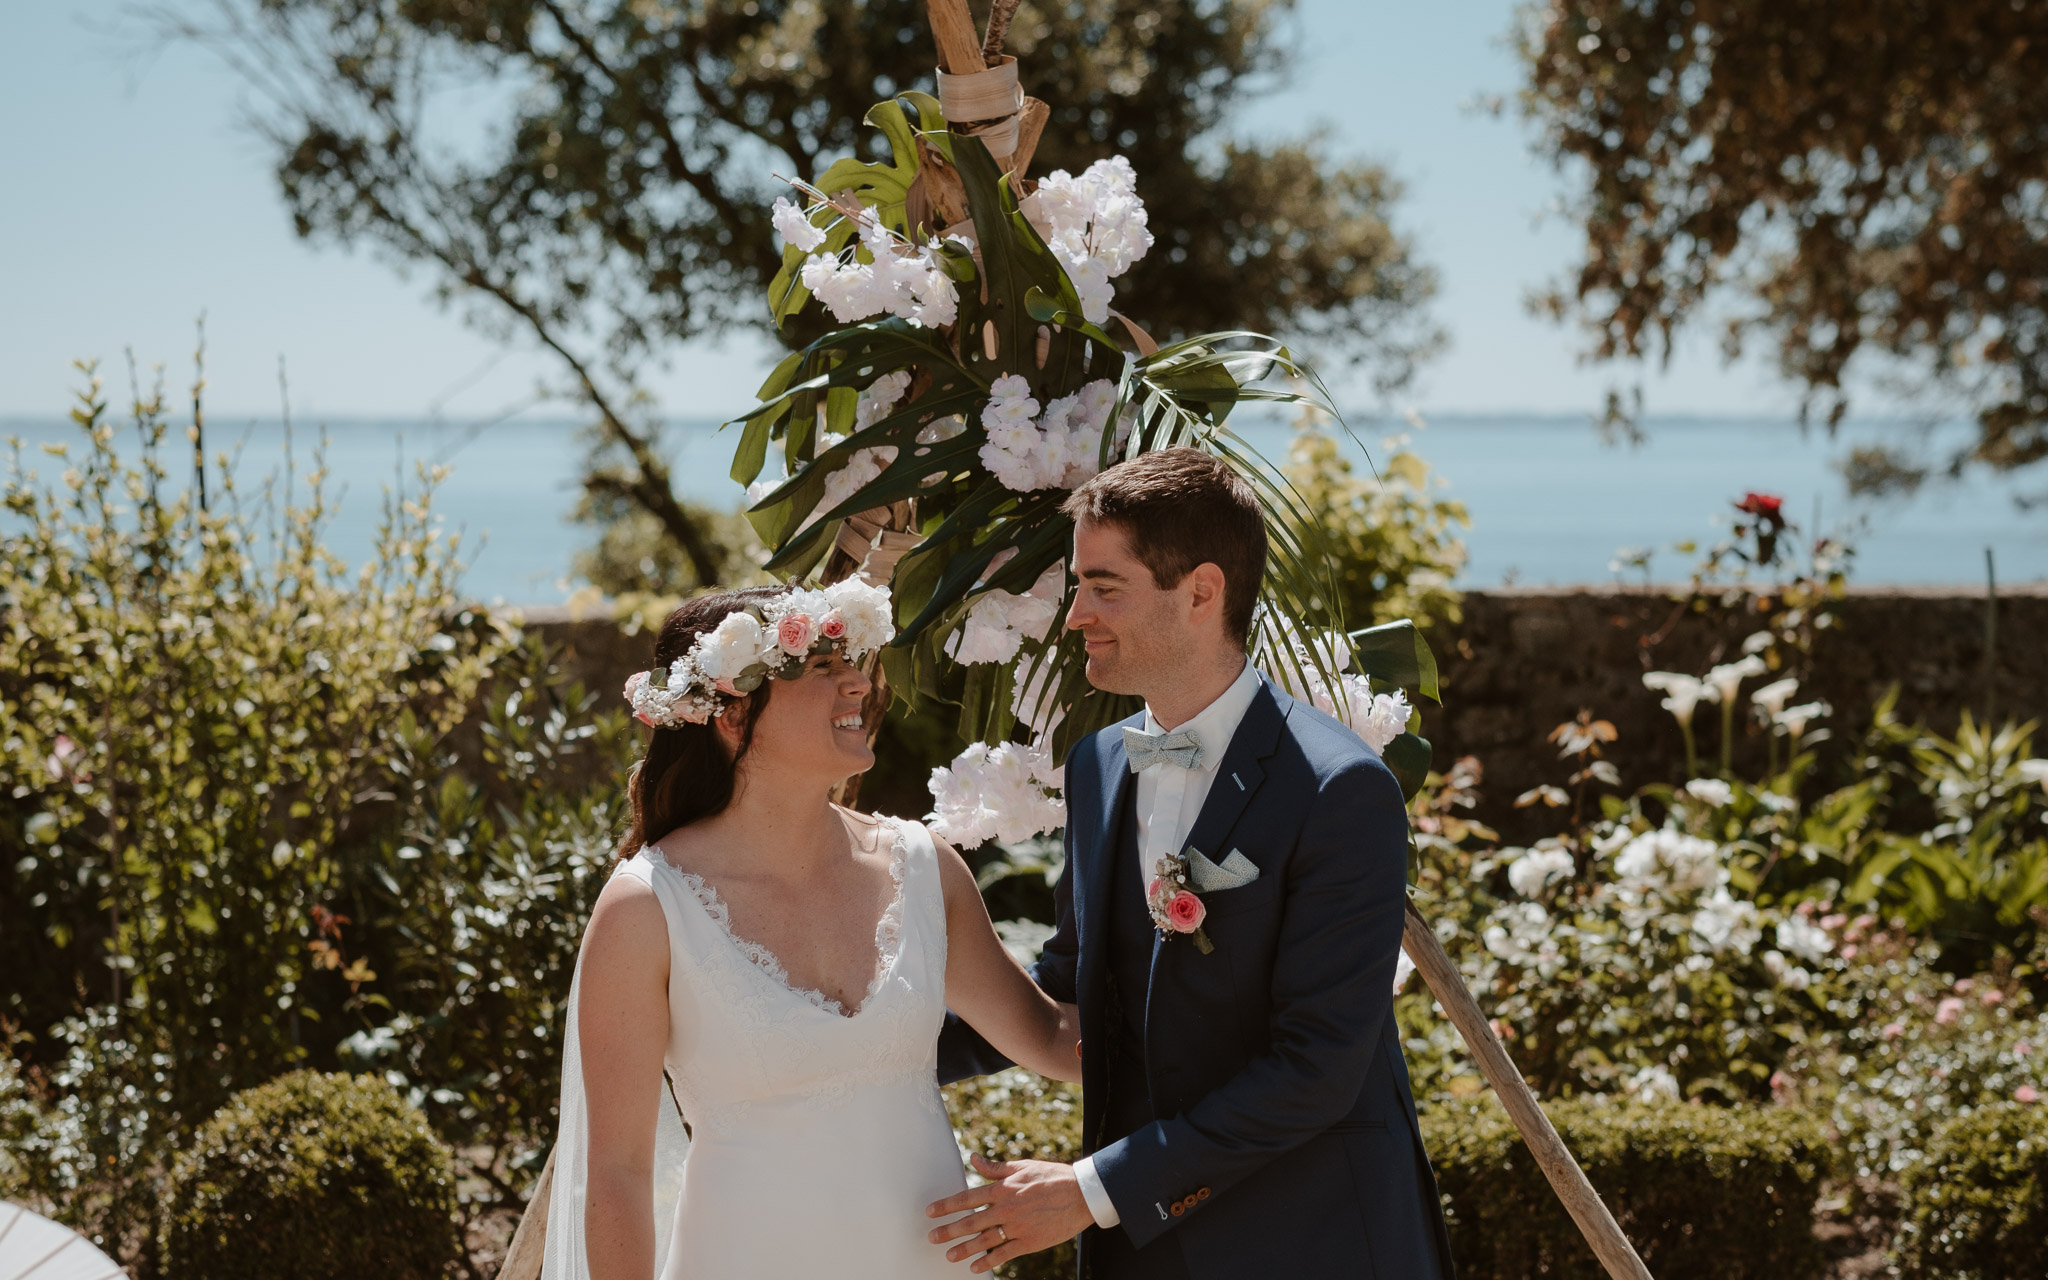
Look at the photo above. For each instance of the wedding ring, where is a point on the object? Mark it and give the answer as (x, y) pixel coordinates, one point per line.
(1002, 1236)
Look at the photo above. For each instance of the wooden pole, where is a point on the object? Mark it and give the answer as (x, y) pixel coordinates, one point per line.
(1616, 1254)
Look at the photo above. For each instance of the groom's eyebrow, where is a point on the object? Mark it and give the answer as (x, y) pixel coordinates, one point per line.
(1101, 573)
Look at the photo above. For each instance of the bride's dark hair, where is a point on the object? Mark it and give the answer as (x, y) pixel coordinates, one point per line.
(686, 775)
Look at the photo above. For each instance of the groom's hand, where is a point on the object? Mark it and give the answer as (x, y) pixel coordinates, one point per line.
(1026, 1206)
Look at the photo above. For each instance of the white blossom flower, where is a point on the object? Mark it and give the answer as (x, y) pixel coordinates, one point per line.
(1032, 700)
(999, 622)
(1523, 936)
(911, 285)
(1008, 792)
(1727, 678)
(1683, 693)
(1669, 858)
(2035, 771)
(1096, 227)
(1803, 938)
(1536, 869)
(1059, 449)
(1794, 720)
(1711, 792)
(1771, 698)
(865, 608)
(1726, 923)
(735, 644)
(795, 227)
(1653, 1083)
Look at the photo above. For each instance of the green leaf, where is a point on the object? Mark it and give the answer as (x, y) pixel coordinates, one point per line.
(1397, 653)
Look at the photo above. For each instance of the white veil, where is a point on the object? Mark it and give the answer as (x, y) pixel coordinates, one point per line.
(564, 1256)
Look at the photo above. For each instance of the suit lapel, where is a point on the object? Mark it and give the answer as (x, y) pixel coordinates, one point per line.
(1092, 907)
(1237, 781)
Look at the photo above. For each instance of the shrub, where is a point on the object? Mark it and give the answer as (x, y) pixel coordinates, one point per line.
(1708, 1192)
(308, 1177)
(1019, 1115)
(1977, 1207)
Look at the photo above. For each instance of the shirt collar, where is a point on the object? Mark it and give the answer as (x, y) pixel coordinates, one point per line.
(1216, 724)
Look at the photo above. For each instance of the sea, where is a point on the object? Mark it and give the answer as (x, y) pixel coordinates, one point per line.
(1552, 502)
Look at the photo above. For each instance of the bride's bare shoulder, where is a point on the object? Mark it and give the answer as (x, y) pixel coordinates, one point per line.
(627, 922)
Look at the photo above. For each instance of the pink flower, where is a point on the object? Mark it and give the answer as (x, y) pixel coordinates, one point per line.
(1833, 922)
(1963, 985)
(2022, 1049)
(1849, 952)
(1185, 912)
(1781, 1086)
(2025, 1093)
(795, 633)
(1948, 1011)
(833, 627)
(1893, 1030)
(1992, 996)
(727, 687)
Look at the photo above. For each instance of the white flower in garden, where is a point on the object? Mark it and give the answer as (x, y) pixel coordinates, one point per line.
(1531, 873)
(795, 227)
(910, 285)
(860, 469)
(2035, 771)
(1771, 698)
(1403, 966)
(1682, 693)
(1727, 678)
(1711, 792)
(1522, 934)
(1787, 973)
(1653, 1083)
(1776, 803)
(1803, 938)
(1669, 858)
(1057, 450)
(879, 397)
(1379, 718)
(1794, 720)
(1726, 923)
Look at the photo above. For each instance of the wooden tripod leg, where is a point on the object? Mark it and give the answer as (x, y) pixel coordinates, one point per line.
(1616, 1254)
(530, 1242)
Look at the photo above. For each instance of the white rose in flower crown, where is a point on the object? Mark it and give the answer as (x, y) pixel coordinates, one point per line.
(738, 642)
(864, 610)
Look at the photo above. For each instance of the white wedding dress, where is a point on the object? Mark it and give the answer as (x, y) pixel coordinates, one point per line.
(817, 1134)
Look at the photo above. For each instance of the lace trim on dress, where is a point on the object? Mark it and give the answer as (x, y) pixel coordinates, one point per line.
(888, 932)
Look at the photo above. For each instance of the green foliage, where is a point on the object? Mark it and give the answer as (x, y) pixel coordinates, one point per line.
(1977, 876)
(1019, 1115)
(193, 704)
(312, 1177)
(1866, 177)
(1395, 540)
(1704, 1193)
(1977, 1208)
(636, 555)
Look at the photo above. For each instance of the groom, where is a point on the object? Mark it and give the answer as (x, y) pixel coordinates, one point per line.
(1246, 1109)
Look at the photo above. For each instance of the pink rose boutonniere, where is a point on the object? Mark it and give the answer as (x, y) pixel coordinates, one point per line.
(1175, 908)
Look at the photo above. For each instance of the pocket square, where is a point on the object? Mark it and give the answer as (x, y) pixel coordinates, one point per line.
(1206, 876)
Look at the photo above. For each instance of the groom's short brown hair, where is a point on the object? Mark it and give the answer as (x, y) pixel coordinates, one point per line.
(1178, 508)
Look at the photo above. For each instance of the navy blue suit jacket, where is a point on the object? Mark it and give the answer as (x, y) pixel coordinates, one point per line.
(1274, 1062)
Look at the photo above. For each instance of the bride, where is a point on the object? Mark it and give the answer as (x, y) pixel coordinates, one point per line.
(786, 963)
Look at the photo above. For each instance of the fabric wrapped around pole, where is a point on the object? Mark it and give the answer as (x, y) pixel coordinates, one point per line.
(988, 104)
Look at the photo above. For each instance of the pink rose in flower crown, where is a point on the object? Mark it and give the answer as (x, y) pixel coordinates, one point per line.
(725, 686)
(833, 627)
(1185, 912)
(795, 633)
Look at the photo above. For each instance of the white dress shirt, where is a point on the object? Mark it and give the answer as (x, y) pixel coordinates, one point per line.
(1169, 800)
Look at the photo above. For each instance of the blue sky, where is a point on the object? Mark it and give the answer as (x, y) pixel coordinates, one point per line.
(137, 198)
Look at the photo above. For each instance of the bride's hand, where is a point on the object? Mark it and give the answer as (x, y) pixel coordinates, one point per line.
(986, 986)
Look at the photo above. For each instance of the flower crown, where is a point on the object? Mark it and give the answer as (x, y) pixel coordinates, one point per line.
(762, 638)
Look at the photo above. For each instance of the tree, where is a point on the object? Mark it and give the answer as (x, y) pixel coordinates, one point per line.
(1869, 180)
(616, 203)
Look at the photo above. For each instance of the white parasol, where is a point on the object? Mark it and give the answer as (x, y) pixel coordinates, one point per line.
(33, 1246)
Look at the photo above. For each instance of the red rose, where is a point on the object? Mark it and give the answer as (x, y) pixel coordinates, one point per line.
(1768, 505)
(833, 628)
(1185, 912)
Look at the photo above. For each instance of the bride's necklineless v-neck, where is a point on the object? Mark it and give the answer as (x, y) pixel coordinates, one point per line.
(888, 931)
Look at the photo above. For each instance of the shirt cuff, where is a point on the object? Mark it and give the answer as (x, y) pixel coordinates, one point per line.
(1100, 1206)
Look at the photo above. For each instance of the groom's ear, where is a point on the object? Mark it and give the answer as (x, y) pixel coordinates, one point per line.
(1205, 586)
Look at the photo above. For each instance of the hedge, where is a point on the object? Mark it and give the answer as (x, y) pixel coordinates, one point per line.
(1713, 1193)
(1977, 1207)
(312, 1177)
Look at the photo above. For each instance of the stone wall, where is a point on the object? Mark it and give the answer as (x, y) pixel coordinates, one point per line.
(1521, 662)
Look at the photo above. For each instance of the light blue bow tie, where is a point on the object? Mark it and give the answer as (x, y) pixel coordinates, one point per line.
(1177, 748)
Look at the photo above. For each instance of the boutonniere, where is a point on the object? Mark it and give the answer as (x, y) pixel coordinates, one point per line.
(1175, 908)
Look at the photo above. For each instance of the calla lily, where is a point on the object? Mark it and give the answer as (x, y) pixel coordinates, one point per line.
(1728, 677)
(1682, 693)
(1771, 699)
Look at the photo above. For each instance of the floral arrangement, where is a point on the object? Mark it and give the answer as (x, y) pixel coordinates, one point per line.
(1174, 906)
(980, 369)
(770, 638)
